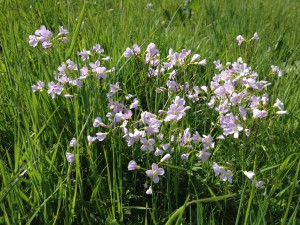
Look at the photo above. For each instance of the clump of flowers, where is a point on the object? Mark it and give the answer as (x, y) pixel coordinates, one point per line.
(235, 94)
(45, 37)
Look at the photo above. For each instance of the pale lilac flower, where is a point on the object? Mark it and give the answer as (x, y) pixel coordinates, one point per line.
(203, 155)
(46, 44)
(255, 36)
(91, 139)
(97, 122)
(38, 87)
(195, 57)
(158, 152)
(134, 104)
(97, 49)
(184, 156)
(239, 39)
(249, 174)
(136, 49)
(84, 55)
(147, 144)
(259, 184)
(33, 41)
(217, 169)
(166, 157)
(220, 137)
(101, 136)
(259, 113)
(218, 65)
(73, 142)
(149, 191)
(202, 62)
(84, 72)
(155, 172)
(62, 31)
(54, 89)
(71, 65)
(207, 141)
(132, 165)
(128, 53)
(70, 157)
(247, 132)
(276, 69)
(44, 34)
(227, 176)
(279, 105)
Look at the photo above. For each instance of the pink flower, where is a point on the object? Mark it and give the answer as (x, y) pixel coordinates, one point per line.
(70, 157)
(155, 172)
(249, 174)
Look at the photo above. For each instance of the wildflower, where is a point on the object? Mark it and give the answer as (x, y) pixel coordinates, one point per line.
(132, 165)
(255, 36)
(259, 184)
(38, 87)
(217, 169)
(33, 41)
(195, 57)
(247, 132)
(97, 122)
(62, 31)
(203, 155)
(84, 55)
(71, 65)
(155, 172)
(202, 62)
(101, 136)
(276, 69)
(279, 105)
(44, 34)
(207, 142)
(136, 49)
(239, 39)
(184, 156)
(70, 157)
(259, 113)
(128, 53)
(149, 191)
(147, 144)
(73, 142)
(218, 65)
(91, 139)
(249, 174)
(134, 104)
(227, 176)
(165, 158)
(158, 152)
(97, 49)
(54, 89)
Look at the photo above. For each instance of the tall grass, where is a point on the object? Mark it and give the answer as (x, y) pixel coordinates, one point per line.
(37, 183)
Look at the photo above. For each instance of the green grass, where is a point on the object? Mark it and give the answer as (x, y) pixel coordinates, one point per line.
(38, 185)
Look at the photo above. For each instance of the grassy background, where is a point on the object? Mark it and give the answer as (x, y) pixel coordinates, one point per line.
(39, 186)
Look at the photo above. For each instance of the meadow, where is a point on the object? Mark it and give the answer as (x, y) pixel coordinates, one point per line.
(139, 112)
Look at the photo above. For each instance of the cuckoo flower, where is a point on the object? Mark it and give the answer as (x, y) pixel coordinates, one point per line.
(155, 172)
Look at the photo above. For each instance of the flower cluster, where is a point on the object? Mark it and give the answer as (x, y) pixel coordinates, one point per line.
(238, 95)
(235, 93)
(44, 37)
(67, 73)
